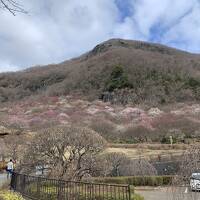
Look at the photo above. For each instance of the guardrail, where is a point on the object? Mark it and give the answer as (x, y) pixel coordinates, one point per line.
(39, 188)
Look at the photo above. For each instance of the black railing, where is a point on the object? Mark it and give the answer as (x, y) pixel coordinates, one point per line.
(51, 189)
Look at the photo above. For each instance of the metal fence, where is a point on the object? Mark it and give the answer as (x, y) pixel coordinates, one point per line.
(51, 189)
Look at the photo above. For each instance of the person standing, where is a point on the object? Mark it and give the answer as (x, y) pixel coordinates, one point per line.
(10, 168)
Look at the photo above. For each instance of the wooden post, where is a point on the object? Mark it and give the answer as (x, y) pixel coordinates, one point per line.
(38, 187)
(129, 192)
(171, 140)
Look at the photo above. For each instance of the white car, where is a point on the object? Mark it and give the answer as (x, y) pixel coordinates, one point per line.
(195, 182)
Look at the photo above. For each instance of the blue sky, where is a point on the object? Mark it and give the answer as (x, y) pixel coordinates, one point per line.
(125, 8)
(55, 31)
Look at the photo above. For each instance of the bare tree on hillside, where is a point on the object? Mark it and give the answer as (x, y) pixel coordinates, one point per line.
(118, 164)
(139, 167)
(2, 150)
(12, 6)
(190, 164)
(115, 161)
(15, 147)
(180, 188)
(69, 152)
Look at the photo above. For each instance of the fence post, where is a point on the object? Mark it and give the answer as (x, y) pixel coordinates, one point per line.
(60, 190)
(129, 192)
(38, 187)
(90, 191)
(13, 182)
(23, 184)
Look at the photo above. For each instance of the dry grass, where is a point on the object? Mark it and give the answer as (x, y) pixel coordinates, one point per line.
(149, 151)
(151, 146)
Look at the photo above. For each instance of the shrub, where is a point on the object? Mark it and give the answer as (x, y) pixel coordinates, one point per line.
(137, 167)
(136, 134)
(165, 140)
(118, 80)
(7, 195)
(193, 82)
(105, 128)
(138, 197)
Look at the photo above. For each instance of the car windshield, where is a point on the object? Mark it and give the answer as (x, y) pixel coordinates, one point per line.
(196, 176)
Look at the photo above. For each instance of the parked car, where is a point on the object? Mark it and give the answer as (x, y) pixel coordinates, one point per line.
(195, 182)
(41, 170)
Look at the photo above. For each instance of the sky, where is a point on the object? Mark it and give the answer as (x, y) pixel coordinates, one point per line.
(57, 30)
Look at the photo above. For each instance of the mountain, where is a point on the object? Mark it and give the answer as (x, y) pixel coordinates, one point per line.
(119, 71)
(149, 93)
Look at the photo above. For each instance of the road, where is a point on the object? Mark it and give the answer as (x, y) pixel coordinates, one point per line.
(178, 193)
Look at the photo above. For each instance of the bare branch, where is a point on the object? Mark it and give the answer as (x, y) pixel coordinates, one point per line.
(12, 6)
(69, 151)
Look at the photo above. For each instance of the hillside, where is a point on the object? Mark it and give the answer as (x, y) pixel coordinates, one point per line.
(119, 71)
(128, 91)
(116, 123)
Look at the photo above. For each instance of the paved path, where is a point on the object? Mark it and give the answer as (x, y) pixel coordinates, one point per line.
(3, 179)
(178, 193)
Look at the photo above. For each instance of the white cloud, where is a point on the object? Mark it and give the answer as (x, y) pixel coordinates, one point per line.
(186, 33)
(54, 31)
(176, 22)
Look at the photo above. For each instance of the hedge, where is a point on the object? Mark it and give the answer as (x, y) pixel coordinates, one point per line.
(137, 180)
